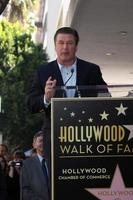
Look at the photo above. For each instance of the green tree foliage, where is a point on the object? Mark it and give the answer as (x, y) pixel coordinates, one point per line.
(19, 57)
(19, 9)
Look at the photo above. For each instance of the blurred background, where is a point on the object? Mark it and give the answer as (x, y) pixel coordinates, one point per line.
(26, 39)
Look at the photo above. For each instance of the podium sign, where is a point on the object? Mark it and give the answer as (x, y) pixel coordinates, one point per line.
(92, 149)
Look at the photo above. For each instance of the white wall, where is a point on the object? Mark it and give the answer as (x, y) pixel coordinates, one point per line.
(53, 12)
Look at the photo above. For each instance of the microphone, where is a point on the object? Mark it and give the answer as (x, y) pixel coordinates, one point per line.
(72, 71)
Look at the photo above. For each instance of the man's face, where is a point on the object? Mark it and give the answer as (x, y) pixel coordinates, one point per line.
(3, 150)
(65, 47)
(38, 144)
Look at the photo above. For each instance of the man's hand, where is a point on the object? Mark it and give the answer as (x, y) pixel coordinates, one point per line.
(50, 89)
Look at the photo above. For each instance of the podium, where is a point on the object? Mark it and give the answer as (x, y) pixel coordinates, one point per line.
(92, 146)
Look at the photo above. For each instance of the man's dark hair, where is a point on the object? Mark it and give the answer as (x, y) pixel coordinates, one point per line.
(19, 154)
(38, 134)
(67, 30)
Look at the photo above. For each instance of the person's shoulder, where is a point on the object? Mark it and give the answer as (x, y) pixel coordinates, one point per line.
(46, 66)
(86, 63)
(28, 161)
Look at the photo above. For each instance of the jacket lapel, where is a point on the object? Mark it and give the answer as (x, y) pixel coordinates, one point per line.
(58, 77)
(40, 172)
(57, 74)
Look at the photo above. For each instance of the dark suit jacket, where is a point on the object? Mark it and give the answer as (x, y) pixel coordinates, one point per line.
(32, 181)
(88, 74)
(3, 188)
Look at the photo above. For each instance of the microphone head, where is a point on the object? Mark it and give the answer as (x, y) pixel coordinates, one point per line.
(72, 70)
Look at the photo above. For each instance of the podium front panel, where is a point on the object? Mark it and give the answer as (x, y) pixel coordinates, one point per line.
(92, 149)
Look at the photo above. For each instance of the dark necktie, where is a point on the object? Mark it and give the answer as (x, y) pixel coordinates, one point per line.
(44, 168)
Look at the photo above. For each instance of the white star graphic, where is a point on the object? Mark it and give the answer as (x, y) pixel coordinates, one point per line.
(83, 112)
(65, 108)
(130, 128)
(104, 115)
(61, 119)
(121, 109)
(79, 120)
(90, 120)
(72, 114)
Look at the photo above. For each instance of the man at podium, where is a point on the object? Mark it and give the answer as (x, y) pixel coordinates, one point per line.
(67, 70)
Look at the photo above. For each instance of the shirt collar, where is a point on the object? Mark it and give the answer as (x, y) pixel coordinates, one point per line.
(40, 157)
(70, 67)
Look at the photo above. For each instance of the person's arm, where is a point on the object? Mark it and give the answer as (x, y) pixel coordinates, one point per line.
(40, 94)
(35, 96)
(49, 89)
